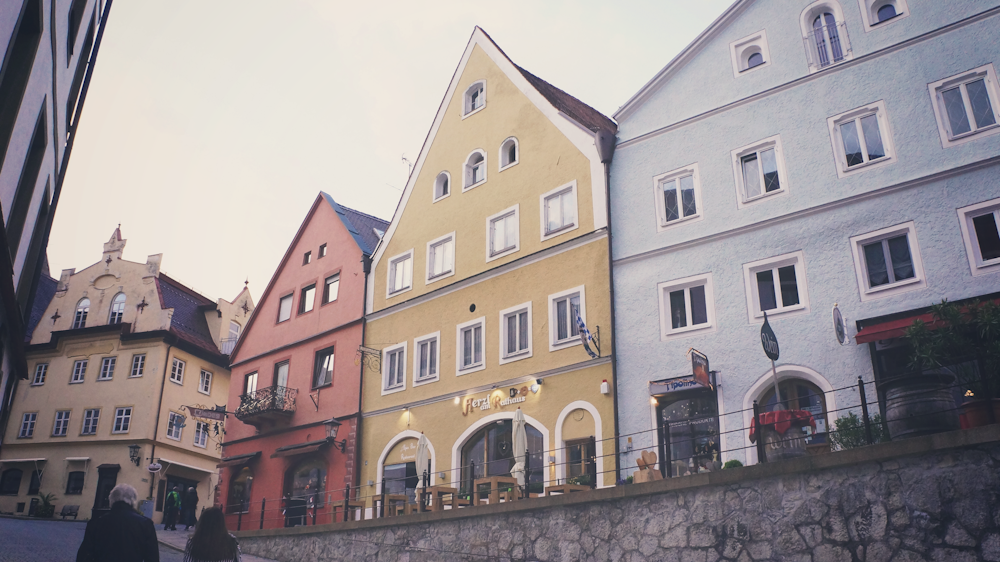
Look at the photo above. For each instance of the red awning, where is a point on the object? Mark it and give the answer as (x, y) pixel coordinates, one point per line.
(896, 328)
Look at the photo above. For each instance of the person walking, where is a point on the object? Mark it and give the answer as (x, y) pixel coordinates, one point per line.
(189, 506)
(211, 541)
(170, 507)
(122, 534)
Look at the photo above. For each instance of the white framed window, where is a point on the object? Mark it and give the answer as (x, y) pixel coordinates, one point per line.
(205, 382)
(400, 274)
(91, 418)
(558, 211)
(441, 258)
(394, 369)
(503, 233)
(686, 306)
(107, 368)
(470, 355)
(980, 225)
(875, 13)
(759, 169)
(475, 170)
(777, 285)
(177, 371)
(861, 139)
(677, 197)
(442, 186)
(563, 310)
(966, 105)
(307, 298)
(79, 371)
(41, 370)
(138, 365)
(426, 358)
(322, 251)
(515, 333)
(175, 425)
(510, 153)
(27, 430)
(474, 99)
(285, 308)
(234, 330)
(117, 309)
(201, 434)
(888, 262)
(82, 310)
(750, 53)
(824, 34)
(331, 288)
(61, 424)
(123, 419)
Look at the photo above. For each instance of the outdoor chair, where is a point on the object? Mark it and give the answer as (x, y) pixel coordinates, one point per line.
(68, 510)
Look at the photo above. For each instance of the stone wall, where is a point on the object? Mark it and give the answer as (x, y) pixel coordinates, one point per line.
(932, 498)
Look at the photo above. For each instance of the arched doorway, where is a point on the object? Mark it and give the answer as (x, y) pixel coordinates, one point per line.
(305, 488)
(490, 452)
(239, 491)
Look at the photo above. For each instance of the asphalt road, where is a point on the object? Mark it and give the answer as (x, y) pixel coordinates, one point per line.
(24, 540)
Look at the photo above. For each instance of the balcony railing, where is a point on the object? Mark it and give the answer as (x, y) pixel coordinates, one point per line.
(827, 45)
(266, 404)
(226, 345)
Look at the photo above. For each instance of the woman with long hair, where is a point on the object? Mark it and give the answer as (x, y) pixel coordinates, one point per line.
(211, 541)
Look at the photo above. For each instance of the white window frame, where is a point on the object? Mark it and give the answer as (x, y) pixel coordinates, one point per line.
(201, 429)
(177, 367)
(390, 274)
(171, 425)
(741, 50)
(326, 285)
(107, 371)
(555, 344)
(201, 382)
(779, 156)
(754, 314)
(60, 424)
(502, 154)
(91, 419)
(988, 73)
(291, 305)
(807, 18)
(459, 350)
(440, 241)
(965, 216)
(870, 8)
(417, 342)
(918, 281)
(123, 418)
(663, 291)
(138, 365)
(571, 188)
(516, 211)
(467, 171)
(434, 192)
(660, 204)
(79, 372)
(41, 370)
(385, 369)
(467, 109)
(117, 316)
(885, 131)
(28, 422)
(525, 353)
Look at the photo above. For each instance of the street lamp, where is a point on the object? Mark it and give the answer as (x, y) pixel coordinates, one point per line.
(332, 426)
(133, 454)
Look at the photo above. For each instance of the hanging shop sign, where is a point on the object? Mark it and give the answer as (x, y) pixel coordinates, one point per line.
(206, 414)
(657, 388)
(699, 368)
(495, 400)
(768, 340)
(155, 467)
(839, 326)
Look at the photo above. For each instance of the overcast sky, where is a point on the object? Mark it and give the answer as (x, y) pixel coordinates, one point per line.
(210, 126)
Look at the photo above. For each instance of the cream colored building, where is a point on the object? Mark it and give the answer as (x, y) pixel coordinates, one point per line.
(500, 238)
(118, 354)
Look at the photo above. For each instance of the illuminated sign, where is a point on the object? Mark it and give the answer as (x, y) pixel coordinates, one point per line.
(496, 399)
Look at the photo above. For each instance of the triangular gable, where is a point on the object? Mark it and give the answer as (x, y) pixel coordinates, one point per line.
(564, 111)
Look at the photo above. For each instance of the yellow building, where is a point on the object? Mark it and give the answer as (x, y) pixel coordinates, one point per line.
(500, 238)
(118, 353)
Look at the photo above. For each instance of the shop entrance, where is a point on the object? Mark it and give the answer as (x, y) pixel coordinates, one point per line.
(687, 417)
(490, 452)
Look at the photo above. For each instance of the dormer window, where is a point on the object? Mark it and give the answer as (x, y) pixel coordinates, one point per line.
(442, 186)
(117, 309)
(82, 309)
(509, 153)
(475, 98)
(475, 169)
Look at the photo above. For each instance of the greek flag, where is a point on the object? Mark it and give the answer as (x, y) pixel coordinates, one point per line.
(585, 336)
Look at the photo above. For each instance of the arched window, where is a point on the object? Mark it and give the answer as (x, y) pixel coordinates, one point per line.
(475, 169)
(10, 482)
(82, 309)
(827, 38)
(117, 309)
(490, 452)
(442, 185)
(755, 59)
(475, 98)
(305, 488)
(509, 153)
(798, 394)
(886, 12)
(239, 491)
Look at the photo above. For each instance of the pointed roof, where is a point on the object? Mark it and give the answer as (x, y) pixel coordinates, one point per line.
(188, 320)
(361, 226)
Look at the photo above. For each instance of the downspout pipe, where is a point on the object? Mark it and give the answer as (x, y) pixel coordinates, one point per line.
(366, 264)
(156, 424)
(605, 142)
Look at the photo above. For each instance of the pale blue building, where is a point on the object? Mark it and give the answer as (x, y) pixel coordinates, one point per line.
(795, 156)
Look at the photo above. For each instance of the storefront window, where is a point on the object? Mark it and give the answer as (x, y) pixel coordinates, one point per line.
(490, 452)
(689, 432)
(401, 479)
(305, 486)
(239, 491)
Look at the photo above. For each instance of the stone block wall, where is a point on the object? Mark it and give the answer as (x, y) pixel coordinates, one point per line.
(929, 499)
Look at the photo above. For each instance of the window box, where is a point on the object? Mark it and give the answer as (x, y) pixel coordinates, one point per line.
(558, 211)
(515, 333)
(980, 225)
(759, 170)
(470, 353)
(399, 278)
(426, 358)
(394, 369)
(503, 235)
(687, 306)
(563, 308)
(888, 262)
(966, 105)
(777, 285)
(861, 139)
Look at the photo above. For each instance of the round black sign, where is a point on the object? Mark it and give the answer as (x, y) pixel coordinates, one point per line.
(768, 340)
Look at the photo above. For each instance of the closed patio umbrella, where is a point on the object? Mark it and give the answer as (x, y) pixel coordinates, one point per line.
(423, 457)
(520, 447)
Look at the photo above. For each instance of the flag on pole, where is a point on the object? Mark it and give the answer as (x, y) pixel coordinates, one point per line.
(585, 336)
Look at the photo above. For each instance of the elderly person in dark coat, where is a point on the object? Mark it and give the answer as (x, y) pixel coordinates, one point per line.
(189, 504)
(122, 534)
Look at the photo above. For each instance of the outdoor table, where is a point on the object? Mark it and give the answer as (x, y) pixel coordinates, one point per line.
(437, 494)
(494, 482)
(390, 503)
(349, 509)
(566, 489)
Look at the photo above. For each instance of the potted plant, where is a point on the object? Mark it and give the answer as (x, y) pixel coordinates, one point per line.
(732, 463)
(850, 432)
(964, 342)
(45, 508)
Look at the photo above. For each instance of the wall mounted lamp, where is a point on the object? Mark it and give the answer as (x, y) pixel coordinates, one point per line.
(332, 426)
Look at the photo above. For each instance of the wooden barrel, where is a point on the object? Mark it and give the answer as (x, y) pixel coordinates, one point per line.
(919, 404)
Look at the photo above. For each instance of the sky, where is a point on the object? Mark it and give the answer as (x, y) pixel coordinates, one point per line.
(210, 127)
